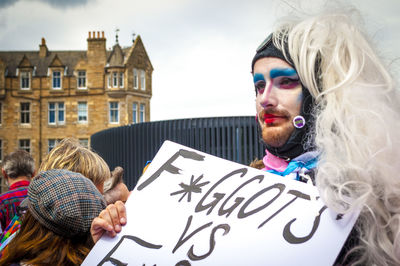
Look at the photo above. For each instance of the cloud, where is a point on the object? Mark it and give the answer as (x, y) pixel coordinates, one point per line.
(7, 3)
(65, 4)
(62, 4)
(200, 49)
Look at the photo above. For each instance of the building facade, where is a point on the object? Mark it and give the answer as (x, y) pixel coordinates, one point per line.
(46, 95)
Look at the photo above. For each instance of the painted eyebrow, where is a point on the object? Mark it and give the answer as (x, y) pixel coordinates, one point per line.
(258, 77)
(278, 72)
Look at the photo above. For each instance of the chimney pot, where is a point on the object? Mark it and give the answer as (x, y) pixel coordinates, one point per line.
(102, 34)
(94, 34)
(98, 34)
(90, 35)
(43, 41)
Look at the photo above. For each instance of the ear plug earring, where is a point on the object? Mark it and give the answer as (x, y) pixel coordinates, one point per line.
(299, 121)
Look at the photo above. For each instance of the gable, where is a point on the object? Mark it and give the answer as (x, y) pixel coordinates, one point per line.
(24, 62)
(56, 62)
(138, 55)
(117, 57)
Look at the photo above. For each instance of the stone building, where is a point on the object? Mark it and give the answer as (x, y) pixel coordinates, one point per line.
(48, 95)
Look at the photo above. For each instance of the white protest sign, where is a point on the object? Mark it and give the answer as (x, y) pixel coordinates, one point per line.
(191, 208)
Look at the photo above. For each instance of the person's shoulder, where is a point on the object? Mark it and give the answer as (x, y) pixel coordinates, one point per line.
(23, 184)
(5, 195)
(13, 196)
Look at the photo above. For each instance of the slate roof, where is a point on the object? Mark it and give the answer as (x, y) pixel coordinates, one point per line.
(68, 58)
(115, 58)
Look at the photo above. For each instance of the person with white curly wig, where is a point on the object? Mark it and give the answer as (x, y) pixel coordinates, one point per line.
(328, 111)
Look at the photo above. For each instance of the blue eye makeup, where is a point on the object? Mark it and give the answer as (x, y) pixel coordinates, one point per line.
(279, 72)
(284, 78)
(259, 82)
(258, 77)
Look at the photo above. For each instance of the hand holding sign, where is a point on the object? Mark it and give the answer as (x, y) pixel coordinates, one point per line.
(193, 208)
(109, 221)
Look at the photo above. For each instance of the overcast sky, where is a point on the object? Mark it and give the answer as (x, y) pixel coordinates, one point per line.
(200, 49)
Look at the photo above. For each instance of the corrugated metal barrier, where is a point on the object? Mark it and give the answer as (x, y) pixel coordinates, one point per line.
(232, 138)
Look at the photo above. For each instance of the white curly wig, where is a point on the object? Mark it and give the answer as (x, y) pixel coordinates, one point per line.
(357, 126)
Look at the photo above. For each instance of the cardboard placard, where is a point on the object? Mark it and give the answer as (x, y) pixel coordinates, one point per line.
(191, 208)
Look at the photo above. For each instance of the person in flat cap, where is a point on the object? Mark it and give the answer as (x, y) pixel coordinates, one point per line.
(55, 229)
(329, 114)
(71, 155)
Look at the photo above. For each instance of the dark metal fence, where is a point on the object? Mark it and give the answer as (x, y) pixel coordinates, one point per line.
(232, 138)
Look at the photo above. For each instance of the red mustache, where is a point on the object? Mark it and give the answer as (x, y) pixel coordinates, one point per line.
(269, 115)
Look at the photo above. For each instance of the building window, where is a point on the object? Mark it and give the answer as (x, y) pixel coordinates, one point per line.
(25, 144)
(1, 113)
(24, 80)
(121, 80)
(115, 79)
(142, 80)
(114, 113)
(142, 114)
(52, 143)
(82, 79)
(82, 112)
(56, 80)
(84, 143)
(25, 113)
(56, 113)
(134, 113)
(135, 79)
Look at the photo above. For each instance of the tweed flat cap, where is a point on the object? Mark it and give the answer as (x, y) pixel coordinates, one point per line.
(64, 202)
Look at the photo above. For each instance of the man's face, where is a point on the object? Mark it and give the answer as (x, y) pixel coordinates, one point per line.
(279, 98)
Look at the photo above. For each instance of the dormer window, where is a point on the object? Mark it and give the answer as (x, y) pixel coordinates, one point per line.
(56, 81)
(25, 80)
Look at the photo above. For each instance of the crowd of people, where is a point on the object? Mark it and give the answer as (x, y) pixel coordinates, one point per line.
(56, 207)
(328, 113)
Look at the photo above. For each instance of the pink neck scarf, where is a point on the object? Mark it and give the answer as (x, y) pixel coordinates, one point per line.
(272, 162)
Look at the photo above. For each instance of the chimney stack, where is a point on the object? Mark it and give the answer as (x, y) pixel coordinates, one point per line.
(43, 51)
(97, 58)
